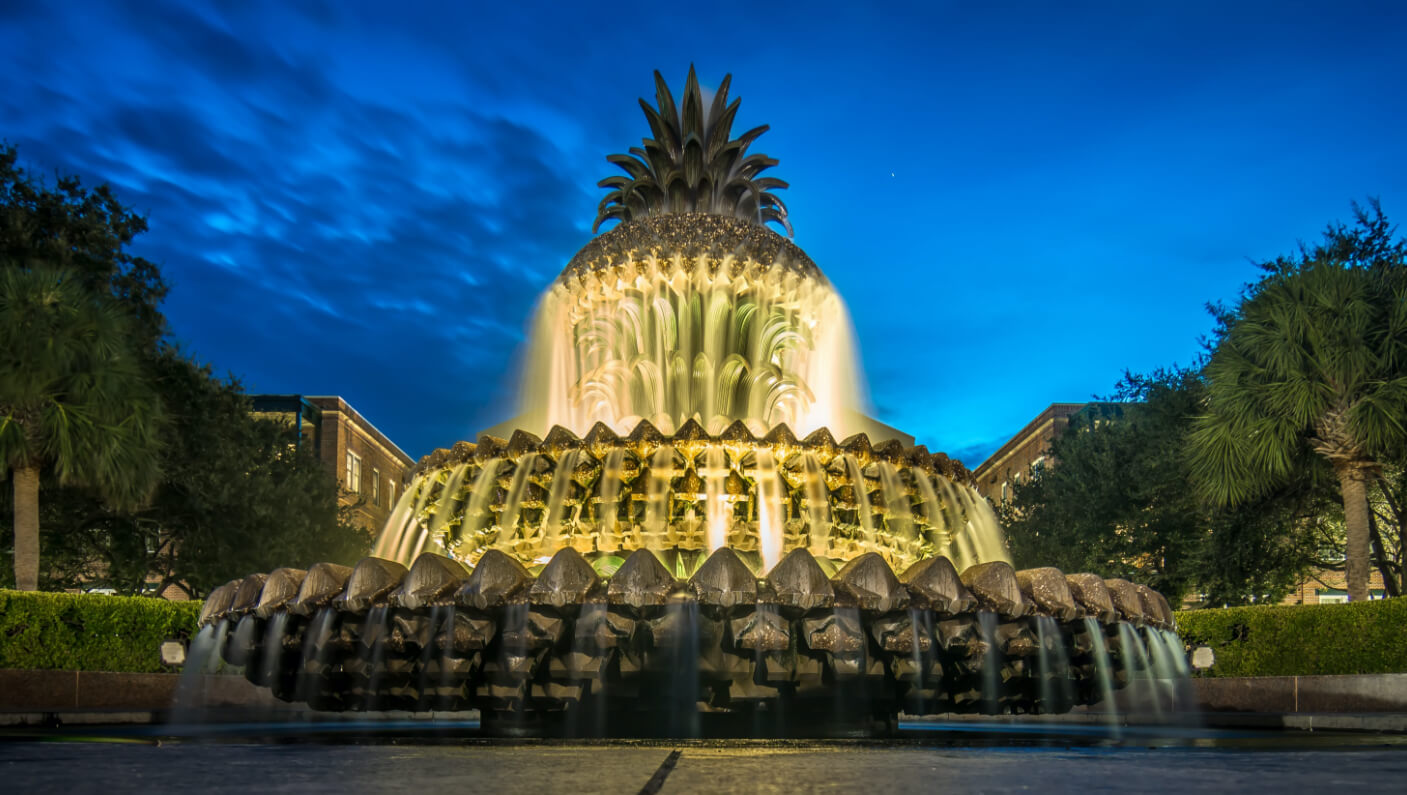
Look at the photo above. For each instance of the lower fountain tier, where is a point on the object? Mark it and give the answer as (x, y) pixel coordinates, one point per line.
(994, 640)
(692, 491)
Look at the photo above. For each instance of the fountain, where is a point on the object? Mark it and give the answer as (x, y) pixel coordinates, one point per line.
(687, 536)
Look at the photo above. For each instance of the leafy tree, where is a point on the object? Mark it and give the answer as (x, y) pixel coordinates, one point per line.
(1115, 502)
(234, 494)
(1313, 361)
(237, 494)
(1385, 526)
(243, 495)
(84, 231)
(72, 396)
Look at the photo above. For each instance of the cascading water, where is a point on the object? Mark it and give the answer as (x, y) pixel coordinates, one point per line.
(817, 502)
(691, 507)
(864, 517)
(202, 655)
(657, 493)
(991, 663)
(770, 518)
(1139, 672)
(1103, 673)
(606, 495)
(557, 499)
(315, 646)
(717, 508)
(1056, 689)
(1170, 668)
(682, 616)
(373, 654)
(271, 665)
(676, 340)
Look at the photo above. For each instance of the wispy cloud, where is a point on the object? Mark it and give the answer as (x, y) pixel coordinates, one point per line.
(367, 199)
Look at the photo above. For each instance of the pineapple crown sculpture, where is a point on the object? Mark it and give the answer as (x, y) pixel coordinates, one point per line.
(692, 164)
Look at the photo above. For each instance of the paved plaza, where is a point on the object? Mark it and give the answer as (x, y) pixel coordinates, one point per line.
(1294, 762)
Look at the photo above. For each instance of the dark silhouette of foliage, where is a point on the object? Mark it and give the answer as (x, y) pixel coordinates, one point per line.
(1312, 364)
(1115, 500)
(235, 494)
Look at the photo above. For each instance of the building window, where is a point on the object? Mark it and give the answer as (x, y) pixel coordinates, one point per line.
(354, 473)
(1338, 596)
(391, 492)
(375, 486)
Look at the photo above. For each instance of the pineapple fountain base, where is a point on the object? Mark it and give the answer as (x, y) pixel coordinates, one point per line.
(643, 654)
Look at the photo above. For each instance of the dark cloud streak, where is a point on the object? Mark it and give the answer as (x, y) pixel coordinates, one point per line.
(367, 200)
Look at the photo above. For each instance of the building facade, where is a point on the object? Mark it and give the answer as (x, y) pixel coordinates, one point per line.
(369, 467)
(1029, 447)
(1331, 587)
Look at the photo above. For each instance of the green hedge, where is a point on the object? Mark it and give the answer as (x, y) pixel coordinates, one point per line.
(90, 632)
(1301, 640)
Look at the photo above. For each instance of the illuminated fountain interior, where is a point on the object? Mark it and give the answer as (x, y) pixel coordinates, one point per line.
(675, 376)
(692, 513)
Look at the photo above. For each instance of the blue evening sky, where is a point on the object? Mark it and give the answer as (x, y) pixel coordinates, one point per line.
(1018, 200)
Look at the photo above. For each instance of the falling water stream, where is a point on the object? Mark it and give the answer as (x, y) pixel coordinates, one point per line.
(862, 500)
(315, 643)
(683, 619)
(770, 517)
(818, 504)
(991, 663)
(271, 666)
(1138, 672)
(657, 497)
(557, 498)
(1056, 689)
(377, 626)
(717, 508)
(1104, 673)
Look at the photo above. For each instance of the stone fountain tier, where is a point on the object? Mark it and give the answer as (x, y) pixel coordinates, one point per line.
(738, 440)
(606, 492)
(642, 643)
(718, 243)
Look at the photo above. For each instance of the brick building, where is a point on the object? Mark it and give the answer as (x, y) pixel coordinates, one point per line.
(370, 468)
(1331, 587)
(1013, 460)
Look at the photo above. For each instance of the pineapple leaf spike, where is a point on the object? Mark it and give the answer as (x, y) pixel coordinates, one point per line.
(692, 164)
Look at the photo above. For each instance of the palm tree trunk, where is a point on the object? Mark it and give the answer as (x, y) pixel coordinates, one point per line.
(1353, 486)
(26, 528)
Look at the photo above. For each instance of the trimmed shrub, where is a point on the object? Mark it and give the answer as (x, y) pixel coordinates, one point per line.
(90, 632)
(1301, 640)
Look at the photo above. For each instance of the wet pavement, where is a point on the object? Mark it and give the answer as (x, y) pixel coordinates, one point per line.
(91, 767)
(935, 760)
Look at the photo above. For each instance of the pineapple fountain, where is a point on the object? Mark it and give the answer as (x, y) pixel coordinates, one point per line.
(688, 537)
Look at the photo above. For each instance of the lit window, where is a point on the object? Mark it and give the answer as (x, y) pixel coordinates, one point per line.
(375, 486)
(354, 473)
(391, 491)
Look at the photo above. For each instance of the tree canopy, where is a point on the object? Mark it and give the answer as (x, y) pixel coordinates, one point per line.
(73, 396)
(234, 493)
(1312, 362)
(1115, 502)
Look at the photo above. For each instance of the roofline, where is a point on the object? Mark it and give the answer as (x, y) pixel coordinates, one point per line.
(375, 431)
(1047, 415)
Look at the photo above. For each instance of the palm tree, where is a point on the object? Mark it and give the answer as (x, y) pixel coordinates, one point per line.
(1313, 361)
(72, 396)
